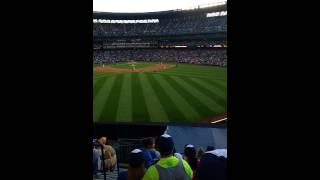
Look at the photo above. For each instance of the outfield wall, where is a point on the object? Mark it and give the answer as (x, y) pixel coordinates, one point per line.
(198, 136)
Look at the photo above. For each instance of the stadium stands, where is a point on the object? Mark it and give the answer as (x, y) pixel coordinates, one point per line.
(156, 36)
(170, 26)
(217, 57)
(165, 23)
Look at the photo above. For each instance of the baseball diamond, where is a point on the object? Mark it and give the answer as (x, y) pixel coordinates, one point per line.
(158, 93)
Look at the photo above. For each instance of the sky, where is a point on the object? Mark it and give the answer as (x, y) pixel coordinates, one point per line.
(146, 5)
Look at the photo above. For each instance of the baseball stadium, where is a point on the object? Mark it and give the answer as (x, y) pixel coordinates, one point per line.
(160, 67)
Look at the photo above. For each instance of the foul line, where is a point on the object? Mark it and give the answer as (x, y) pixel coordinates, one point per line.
(219, 120)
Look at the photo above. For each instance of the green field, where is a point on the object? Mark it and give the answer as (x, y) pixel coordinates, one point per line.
(186, 93)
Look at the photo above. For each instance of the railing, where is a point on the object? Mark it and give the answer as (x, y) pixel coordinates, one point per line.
(125, 147)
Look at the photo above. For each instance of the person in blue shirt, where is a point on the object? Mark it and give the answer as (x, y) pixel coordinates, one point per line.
(149, 153)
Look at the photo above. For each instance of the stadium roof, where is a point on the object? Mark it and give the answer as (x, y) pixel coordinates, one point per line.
(159, 14)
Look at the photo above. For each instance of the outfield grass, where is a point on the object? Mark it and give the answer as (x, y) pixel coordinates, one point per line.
(186, 93)
(137, 65)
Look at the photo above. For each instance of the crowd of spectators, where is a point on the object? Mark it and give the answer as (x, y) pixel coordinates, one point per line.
(149, 163)
(211, 56)
(142, 43)
(194, 43)
(168, 26)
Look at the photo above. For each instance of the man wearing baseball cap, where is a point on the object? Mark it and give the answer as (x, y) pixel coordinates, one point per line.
(136, 168)
(168, 167)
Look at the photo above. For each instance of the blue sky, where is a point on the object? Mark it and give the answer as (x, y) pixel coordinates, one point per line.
(146, 5)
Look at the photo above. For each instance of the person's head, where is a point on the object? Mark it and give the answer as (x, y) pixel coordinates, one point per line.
(102, 140)
(148, 143)
(136, 165)
(166, 145)
(190, 154)
(210, 148)
(190, 151)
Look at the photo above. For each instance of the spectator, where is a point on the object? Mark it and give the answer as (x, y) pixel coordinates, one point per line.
(110, 157)
(168, 167)
(102, 140)
(97, 155)
(136, 168)
(210, 148)
(96, 160)
(149, 151)
(191, 158)
(213, 165)
(219, 152)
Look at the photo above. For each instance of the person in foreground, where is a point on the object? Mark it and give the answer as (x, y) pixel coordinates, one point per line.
(213, 165)
(191, 158)
(168, 167)
(136, 168)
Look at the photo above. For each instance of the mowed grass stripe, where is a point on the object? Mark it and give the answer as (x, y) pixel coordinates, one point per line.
(210, 87)
(96, 77)
(155, 108)
(220, 98)
(124, 113)
(169, 106)
(189, 95)
(200, 67)
(223, 83)
(139, 107)
(100, 98)
(194, 73)
(217, 83)
(180, 100)
(200, 94)
(100, 74)
(98, 85)
(190, 76)
(199, 70)
(180, 74)
(110, 108)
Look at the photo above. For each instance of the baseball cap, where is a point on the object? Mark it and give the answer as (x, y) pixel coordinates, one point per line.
(136, 158)
(166, 144)
(189, 150)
